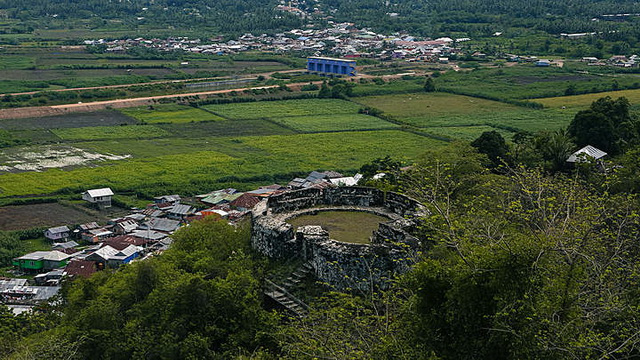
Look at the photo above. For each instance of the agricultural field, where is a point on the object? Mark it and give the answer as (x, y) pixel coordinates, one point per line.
(74, 120)
(339, 122)
(205, 164)
(370, 88)
(524, 82)
(26, 68)
(40, 215)
(226, 128)
(276, 109)
(439, 110)
(111, 132)
(575, 103)
(169, 113)
(468, 133)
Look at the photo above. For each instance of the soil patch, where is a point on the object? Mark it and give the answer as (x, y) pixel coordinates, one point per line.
(71, 120)
(18, 217)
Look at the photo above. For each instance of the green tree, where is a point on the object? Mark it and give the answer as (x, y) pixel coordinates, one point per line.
(324, 92)
(607, 125)
(492, 144)
(429, 85)
(520, 271)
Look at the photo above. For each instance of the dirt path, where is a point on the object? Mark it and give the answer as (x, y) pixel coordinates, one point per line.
(40, 111)
(223, 78)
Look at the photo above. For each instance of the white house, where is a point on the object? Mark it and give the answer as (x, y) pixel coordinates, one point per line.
(585, 153)
(100, 197)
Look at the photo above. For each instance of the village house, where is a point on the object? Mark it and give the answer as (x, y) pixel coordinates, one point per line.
(57, 233)
(110, 257)
(41, 260)
(68, 247)
(96, 235)
(80, 268)
(77, 233)
(124, 226)
(99, 197)
(172, 199)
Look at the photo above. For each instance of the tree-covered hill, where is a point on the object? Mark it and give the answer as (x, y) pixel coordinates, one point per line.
(421, 16)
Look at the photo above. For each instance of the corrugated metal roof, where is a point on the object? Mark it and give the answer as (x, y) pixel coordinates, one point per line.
(160, 224)
(180, 209)
(58, 229)
(56, 256)
(100, 192)
(36, 255)
(218, 198)
(589, 151)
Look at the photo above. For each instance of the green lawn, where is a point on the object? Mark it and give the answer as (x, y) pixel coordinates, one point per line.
(338, 122)
(169, 113)
(111, 132)
(345, 226)
(274, 109)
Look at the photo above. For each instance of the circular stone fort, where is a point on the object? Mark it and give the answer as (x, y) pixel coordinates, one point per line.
(348, 263)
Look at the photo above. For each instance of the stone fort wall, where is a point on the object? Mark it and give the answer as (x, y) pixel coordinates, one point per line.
(342, 265)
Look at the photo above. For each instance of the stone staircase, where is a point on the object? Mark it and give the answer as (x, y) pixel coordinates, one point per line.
(282, 296)
(298, 276)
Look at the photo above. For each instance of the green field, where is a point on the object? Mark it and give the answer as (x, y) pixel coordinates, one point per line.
(468, 133)
(169, 113)
(197, 165)
(526, 81)
(275, 109)
(428, 110)
(346, 226)
(339, 122)
(111, 132)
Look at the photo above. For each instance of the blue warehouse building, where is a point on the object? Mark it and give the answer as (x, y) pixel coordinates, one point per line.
(331, 67)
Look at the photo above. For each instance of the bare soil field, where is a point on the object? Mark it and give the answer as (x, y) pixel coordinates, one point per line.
(71, 120)
(40, 215)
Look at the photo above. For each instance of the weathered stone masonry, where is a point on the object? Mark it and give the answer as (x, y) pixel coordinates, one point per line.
(342, 265)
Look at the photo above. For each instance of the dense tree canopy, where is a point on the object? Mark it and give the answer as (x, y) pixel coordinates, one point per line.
(199, 300)
(607, 125)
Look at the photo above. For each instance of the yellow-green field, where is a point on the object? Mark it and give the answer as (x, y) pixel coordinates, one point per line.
(576, 103)
(438, 110)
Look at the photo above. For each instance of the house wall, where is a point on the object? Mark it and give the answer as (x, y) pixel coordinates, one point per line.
(29, 264)
(57, 236)
(50, 265)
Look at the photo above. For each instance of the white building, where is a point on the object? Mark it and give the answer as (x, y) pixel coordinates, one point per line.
(100, 197)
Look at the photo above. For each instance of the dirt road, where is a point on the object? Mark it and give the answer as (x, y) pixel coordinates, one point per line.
(40, 111)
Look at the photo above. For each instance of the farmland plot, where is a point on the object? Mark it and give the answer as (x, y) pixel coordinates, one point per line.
(274, 109)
